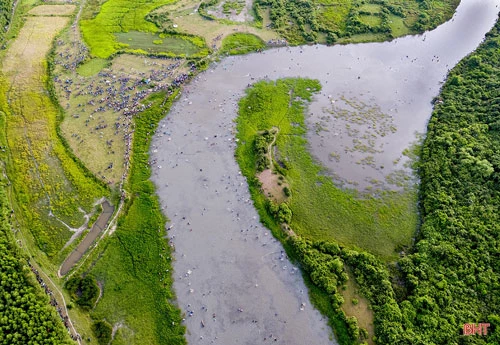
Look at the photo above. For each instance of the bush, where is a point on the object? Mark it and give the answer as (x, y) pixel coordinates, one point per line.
(84, 291)
(102, 331)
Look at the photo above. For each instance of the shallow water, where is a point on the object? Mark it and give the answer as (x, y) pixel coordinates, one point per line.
(227, 264)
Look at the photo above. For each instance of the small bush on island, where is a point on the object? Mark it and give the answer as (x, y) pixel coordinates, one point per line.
(84, 291)
(103, 331)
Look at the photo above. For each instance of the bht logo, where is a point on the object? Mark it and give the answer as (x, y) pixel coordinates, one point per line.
(473, 329)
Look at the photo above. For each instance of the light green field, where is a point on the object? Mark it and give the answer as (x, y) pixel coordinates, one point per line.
(117, 16)
(241, 43)
(92, 67)
(154, 43)
(321, 211)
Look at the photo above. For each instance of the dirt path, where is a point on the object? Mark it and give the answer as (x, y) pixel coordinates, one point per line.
(98, 227)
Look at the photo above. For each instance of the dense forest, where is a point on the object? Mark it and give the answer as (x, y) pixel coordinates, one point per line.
(25, 314)
(328, 21)
(451, 276)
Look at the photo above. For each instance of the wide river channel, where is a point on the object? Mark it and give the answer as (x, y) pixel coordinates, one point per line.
(232, 279)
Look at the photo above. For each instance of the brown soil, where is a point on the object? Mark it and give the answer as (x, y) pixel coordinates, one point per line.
(270, 185)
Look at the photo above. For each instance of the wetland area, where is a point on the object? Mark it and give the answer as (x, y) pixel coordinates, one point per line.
(159, 190)
(376, 99)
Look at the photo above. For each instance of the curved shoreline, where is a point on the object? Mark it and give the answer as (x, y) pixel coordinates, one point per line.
(227, 263)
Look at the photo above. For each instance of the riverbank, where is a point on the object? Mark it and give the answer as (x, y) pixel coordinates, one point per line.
(233, 281)
(196, 142)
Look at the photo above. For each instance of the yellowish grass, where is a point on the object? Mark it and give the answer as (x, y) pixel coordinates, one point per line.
(52, 10)
(24, 61)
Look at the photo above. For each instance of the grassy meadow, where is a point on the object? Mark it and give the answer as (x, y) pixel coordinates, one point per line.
(241, 43)
(321, 211)
(138, 257)
(52, 189)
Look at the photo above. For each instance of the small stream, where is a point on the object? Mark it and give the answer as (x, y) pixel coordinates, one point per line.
(232, 279)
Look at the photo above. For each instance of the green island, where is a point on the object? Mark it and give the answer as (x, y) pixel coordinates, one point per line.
(413, 296)
(60, 161)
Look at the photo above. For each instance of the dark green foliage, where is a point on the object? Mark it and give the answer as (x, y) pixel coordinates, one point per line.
(281, 212)
(102, 331)
(84, 291)
(25, 314)
(5, 17)
(453, 275)
(325, 21)
(287, 191)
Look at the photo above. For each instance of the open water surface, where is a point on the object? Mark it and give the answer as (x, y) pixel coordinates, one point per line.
(232, 278)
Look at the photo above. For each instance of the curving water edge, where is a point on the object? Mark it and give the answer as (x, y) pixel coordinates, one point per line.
(232, 278)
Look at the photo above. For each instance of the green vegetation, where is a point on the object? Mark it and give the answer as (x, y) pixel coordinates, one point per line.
(164, 44)
(122, 25)
(25, 314)
(241, 43)
(321, 211)
(92, 67)
(103, 331)
(235, 6)
(133, 266)
(327, 21)
(51, 187)
(453, 274)
(84, 291)
(5, 17)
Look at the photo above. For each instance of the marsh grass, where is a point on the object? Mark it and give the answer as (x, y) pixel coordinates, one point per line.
(321, 211)
(241, 43)
(134, 264)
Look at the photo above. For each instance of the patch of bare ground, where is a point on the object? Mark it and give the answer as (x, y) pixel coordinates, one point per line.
(358, 306)
(272, 185)
(52, 10)
(240, 16)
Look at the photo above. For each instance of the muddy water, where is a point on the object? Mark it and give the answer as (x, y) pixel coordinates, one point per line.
(232, 279)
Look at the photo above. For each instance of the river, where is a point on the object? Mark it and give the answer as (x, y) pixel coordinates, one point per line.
(232, 278)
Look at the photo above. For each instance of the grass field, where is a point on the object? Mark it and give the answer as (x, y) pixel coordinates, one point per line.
(176, 45)
(91, 67)
(133, 266)
(117, 16)
(241, 43)
(51, 188)
(321, 211)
